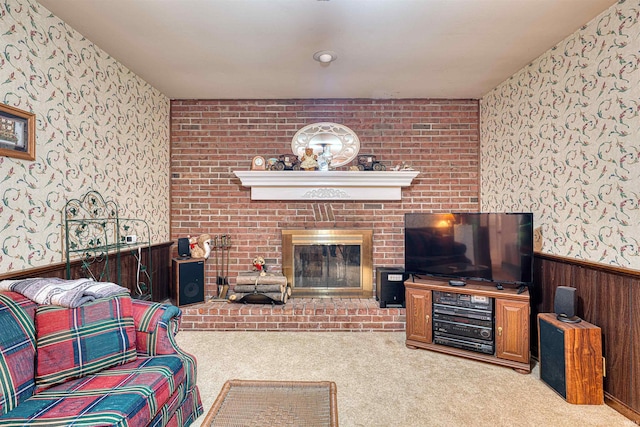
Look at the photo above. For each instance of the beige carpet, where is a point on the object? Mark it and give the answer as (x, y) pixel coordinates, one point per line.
(382, 383)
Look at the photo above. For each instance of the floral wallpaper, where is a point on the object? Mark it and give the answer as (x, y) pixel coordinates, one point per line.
(99, 127)
(561, 139)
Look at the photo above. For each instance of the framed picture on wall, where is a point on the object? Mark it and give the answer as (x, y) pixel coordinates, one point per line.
(17, 133)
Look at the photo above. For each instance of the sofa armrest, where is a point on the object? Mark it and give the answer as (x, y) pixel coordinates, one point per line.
(156, 327)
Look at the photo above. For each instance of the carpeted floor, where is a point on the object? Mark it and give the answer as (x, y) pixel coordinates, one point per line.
(382, 383)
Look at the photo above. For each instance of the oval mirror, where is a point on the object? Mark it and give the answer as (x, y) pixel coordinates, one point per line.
(341, 141)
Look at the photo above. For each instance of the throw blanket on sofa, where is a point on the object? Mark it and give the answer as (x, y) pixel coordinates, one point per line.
(65, 293)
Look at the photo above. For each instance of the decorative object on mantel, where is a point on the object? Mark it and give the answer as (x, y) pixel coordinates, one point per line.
(258, 163)
(402, 167)
(368, 162)
(326, 185)
(286, 162)
(340, 141)
(309, 160)
(271, 161)
(324, 160)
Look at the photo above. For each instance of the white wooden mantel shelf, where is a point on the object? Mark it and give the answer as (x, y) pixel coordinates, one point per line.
(331, 185)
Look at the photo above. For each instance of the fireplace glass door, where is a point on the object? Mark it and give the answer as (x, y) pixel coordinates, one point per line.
(327, 266)
(326, 263)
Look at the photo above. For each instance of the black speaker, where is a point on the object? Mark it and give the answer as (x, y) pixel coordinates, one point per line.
(183, 248)
(564, 304)
(390, 286)
(188, 281)
(551, 349)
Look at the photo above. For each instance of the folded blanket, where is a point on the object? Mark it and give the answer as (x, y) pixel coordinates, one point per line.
(65, 293)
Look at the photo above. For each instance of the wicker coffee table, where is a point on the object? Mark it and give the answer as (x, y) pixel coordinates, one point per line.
(274, 403)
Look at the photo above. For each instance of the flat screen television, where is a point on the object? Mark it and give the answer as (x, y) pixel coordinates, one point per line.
(493, 247)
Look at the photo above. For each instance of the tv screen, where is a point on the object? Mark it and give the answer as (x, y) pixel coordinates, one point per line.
(495, 247)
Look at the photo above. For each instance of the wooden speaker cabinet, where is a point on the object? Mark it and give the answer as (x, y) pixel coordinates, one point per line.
(571, 359)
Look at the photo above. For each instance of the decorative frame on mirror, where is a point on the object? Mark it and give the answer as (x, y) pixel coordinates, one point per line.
(17, 133)
(342, 142)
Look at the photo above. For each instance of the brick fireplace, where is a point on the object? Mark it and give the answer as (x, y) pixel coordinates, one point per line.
(212, 138)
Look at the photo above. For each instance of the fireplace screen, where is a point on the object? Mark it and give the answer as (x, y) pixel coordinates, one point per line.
(327, 266)
(328, 263)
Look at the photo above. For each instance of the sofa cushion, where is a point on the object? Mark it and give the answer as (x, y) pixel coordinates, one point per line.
(74, 342)
(17, 349)
(125, 395)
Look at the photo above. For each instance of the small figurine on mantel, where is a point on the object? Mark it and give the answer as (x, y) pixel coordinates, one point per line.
(402, 167)
(309, 160)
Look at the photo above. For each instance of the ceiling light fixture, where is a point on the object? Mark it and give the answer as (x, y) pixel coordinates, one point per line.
(325, 56)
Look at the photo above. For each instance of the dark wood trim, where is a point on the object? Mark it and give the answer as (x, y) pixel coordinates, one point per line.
(161, 254)
(589, 264)
(608, 297)
(622, 408)
(50, 270)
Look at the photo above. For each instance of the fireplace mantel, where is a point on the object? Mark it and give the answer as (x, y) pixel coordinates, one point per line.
(331, 185)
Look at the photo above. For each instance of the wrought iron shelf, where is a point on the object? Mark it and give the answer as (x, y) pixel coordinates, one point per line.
(96, 235)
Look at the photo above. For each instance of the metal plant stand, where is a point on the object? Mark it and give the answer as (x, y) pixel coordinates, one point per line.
(97, 235)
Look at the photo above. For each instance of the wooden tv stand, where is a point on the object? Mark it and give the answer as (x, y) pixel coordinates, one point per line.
(511, 328)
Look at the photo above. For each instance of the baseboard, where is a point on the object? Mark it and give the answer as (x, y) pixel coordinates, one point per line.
(622, 408)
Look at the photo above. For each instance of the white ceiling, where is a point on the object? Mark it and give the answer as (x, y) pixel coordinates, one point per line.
(260, 49)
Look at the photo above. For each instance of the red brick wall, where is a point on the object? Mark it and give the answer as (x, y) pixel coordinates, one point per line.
(212, 138)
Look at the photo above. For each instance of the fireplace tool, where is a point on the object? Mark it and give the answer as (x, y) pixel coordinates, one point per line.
(216, 248)
(226, 245)
(222, 244)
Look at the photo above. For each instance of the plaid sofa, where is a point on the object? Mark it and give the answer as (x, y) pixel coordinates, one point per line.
(111, 362)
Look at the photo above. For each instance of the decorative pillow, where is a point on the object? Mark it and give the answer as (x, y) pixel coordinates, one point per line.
(74, 342)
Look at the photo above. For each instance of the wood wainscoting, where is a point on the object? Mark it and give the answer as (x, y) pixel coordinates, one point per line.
(161, 273)
(608, 297)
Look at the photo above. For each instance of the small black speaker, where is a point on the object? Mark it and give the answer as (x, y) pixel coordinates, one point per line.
(188, 281)
(183, 248)
(564, 304)
(390, 286)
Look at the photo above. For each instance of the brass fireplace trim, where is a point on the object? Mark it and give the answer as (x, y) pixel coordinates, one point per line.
(362, 237)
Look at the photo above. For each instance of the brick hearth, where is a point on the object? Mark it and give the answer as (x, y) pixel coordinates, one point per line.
(298, 314)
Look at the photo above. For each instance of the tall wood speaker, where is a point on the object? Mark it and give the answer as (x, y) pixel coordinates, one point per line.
(571, 359)
(188, 281)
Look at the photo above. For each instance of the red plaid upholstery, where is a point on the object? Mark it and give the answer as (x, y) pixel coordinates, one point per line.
(74, 342)
(156, 326)
(187, 413)
(17, 349)
(126, 395)
(157, 389)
